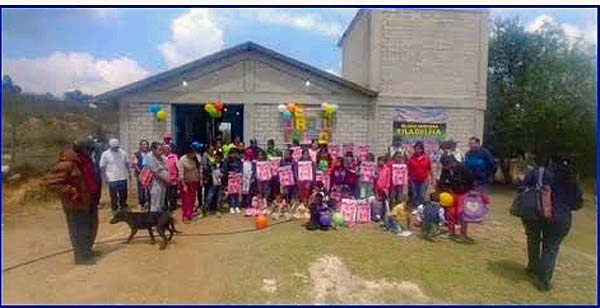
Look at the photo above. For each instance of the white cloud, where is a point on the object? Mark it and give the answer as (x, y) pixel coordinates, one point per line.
(63, 71)
(193, 35)
(303, 21)
(573, 32)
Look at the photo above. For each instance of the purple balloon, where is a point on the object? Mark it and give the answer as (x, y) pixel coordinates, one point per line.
(325, 219)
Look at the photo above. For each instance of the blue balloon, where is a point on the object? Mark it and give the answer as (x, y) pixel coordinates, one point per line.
(154, 108)
(286, 115)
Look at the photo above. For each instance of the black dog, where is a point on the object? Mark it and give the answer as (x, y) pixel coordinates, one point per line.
(136, 221)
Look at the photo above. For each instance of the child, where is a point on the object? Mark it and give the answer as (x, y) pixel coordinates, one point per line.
(289, 191)
(431, 214)
(338, 174)
(366, 180)
(264, 187)
(317, 209)
(378, 207)
(305, 187)
(448, 163)
(396, 190)
(259, 205)
(280, 207)
(393, 219)
(352, 173)
(231, 166)
(213, 198)
(248, 178)
(401, 214)
(171, 199)
(384, 177)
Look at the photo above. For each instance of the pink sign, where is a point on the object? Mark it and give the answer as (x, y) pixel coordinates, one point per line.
(275, 163)
(347, 147)
(399, 174)
(349, 210)
(305, 171)
(286, 176)
(234, 183)
(263, 170)
(363, 151)
(323, 177)
(367, 171)
(296, 153)
(334, 150)
(363, 214)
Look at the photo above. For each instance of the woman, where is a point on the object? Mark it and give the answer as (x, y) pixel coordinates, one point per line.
(419, 173)
(190, 177)
(566, 197)
(156, 164)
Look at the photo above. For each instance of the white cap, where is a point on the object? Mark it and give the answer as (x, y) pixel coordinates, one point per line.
(113, 143)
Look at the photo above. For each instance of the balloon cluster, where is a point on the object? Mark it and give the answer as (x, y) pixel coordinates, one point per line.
(329, 109)
(160, 114)
(214, 109)
(293, 119)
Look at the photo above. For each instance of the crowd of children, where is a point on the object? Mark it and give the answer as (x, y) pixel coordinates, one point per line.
(312, 182)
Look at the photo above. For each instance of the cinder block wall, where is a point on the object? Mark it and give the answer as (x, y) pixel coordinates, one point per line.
(142, 124)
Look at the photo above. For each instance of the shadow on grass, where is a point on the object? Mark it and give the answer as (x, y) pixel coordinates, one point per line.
(508, 269)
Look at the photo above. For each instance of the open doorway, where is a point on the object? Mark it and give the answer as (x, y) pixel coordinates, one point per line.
(192, 123)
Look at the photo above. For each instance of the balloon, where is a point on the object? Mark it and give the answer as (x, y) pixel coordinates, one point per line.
(325, 220)
(338, 219)
(161, 115)
(446, 199)
(286, 115)
(281, 108)
(336, 107)
(261, 222)
(154, 108)
(207, 107)
(219, 106)
(329, 109)
(291, 107)
(324, 106)
(298, 135)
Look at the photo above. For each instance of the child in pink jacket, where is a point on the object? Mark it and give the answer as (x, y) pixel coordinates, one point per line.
(171, 199)
(384, 177)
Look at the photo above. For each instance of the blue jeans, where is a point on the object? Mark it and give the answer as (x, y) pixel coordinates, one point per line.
(234, 201)
(213, 198)
(118, 195)
(417, 192)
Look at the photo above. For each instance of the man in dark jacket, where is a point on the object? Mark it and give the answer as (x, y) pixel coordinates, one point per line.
(74, 178)
(481, 163)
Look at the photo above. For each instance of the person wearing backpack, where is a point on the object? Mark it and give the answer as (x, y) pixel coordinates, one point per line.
(546, 232)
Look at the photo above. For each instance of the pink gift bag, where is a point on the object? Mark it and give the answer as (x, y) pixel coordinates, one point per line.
(363, 214)
(399, 174)
(263, 170)
(275, 162)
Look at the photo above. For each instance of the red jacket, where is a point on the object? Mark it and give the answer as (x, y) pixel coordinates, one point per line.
(419, 167)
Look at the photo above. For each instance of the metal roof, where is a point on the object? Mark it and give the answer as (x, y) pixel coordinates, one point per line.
(239, 49)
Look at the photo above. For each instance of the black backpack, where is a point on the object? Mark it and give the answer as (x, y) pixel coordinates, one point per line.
(528, 203)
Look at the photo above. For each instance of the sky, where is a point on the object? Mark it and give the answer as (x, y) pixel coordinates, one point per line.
(95, 50)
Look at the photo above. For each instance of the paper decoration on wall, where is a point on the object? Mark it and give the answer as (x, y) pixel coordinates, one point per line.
(305, 171)
(399, 174)
(263, 171)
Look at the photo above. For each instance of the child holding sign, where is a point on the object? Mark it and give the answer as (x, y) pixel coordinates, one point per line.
(367, 175)
(399, 178)
(305, 178)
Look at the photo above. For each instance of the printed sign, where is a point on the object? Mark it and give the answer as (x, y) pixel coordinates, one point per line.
(349, 210)
(363, 213)
(275, 163)
(296, 153)
(286, 176)
(363, 151)
(234, 183)
(263, 170)
(305, 171)
(412, 124)
(399, 174)
(367, 171)
(313, 155)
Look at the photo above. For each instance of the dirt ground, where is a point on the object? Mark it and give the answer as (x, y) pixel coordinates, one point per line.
(223, 260)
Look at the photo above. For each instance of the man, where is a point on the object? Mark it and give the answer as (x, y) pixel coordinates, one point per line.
(481, 163)
(137, 160)
(116, 167)
(74, 179)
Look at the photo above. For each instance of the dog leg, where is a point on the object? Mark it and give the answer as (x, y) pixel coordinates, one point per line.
(152, 241)
(133, 232)
(161, 232)
(173, 227)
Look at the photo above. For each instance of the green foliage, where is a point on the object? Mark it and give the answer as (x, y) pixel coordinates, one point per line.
(541, 94)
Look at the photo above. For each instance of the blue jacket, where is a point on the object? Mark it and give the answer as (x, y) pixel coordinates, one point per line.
(482, 165)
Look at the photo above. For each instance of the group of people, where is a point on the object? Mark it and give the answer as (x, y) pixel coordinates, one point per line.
(205, 178)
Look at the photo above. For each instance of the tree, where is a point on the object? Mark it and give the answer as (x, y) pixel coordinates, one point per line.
(541, 94)
(77, 96)
(9, 86)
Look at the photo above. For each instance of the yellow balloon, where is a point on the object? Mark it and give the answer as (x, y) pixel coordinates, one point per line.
(329, 109)
(161, 115)
(446, 199)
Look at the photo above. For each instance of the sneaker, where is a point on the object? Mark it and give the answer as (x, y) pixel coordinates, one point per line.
(406, 233)
(231, 210)
(237, 210)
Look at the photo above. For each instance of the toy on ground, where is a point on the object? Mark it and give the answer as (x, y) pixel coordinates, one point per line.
(261, 222)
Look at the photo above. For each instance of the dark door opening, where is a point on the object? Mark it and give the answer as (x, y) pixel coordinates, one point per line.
(192, 123)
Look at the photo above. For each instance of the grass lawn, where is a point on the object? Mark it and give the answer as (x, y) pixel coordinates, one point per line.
(287, 264)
